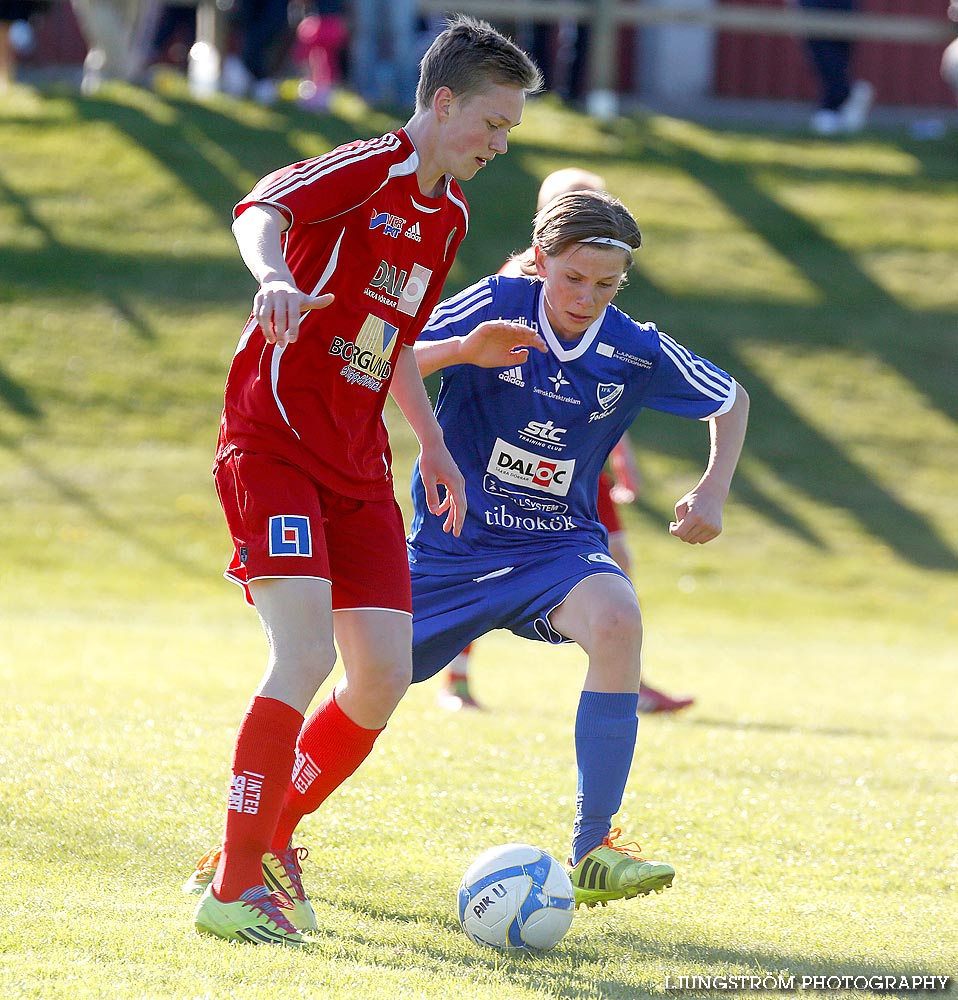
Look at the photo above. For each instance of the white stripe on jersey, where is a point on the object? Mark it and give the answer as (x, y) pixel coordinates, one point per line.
(408, 166)
(304, 172)
(697, 374)
(252, 325)
(274, 379)
(330, 267)
(423, 208)
(705, 372)
(246, 334)
(461, 306)
(329, 163)
(465, 210)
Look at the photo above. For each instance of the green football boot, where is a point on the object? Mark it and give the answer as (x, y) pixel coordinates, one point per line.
(196, 884)
(256, 917)
(282, 872)
(617, 871)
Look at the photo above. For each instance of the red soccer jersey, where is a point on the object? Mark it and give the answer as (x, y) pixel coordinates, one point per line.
(361, 229)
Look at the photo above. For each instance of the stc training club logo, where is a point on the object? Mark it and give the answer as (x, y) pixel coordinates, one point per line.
(545, 434)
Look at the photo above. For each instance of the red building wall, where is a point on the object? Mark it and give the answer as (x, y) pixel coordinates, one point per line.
(774, 66)
(59, 41)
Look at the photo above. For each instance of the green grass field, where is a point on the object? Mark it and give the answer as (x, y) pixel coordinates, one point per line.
(808, 801)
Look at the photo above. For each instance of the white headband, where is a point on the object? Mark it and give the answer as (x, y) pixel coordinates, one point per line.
(608, 241)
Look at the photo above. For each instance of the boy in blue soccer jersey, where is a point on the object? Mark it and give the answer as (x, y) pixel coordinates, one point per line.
(531, 430)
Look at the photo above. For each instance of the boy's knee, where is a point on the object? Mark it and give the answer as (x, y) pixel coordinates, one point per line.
(618, 624)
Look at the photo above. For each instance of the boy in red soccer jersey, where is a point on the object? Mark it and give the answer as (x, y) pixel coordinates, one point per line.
(350, 250)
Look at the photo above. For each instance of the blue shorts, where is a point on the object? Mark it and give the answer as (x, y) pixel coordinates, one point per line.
(449, 612)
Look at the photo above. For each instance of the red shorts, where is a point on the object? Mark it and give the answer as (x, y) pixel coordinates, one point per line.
(285, 524)
(608, 515)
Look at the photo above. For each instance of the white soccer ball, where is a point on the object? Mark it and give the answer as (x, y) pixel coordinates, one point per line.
(516, 898)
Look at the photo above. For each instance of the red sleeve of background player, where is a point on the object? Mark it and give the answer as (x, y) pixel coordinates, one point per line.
(329, 185)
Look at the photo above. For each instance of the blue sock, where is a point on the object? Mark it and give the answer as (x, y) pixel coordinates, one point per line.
(605, 730)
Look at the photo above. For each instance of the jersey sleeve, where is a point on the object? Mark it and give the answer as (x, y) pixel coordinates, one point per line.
(461, 314)
(326, 186)
(687, 385)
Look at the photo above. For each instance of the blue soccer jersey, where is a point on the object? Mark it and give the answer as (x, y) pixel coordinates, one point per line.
(532, 439)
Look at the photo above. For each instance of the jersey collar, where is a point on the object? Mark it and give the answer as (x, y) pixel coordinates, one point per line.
(556, 345)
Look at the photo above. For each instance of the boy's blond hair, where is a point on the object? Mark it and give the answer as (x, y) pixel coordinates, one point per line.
(469, 57)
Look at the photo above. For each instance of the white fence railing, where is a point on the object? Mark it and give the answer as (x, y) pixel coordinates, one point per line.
(605, 16)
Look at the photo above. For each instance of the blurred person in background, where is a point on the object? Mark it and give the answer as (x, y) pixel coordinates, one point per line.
(620, 483)
(16, 35)
(844, 103)
(561, 49)
(172, 36)
(321, 39)
(385, 49)
(265, 35)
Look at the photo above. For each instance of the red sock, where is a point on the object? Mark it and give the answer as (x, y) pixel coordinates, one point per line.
(262, 762)
(330, 747)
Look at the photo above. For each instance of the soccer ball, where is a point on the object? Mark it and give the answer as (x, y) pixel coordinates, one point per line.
(516, 898)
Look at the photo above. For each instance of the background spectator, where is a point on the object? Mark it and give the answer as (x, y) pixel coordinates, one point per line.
(15, 35)
(843, 104)
(321, 39)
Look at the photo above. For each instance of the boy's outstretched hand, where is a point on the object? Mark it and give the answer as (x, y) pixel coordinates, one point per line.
(499, 344)
(278, 306)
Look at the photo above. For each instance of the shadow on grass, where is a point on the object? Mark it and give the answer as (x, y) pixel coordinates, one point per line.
(845, 288)
(857, 312)
(71, 495)
(18, 398)
(55, 261)
(568, 970)
(839, 732)
(257, 149)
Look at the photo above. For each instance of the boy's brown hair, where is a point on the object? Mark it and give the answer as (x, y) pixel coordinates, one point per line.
(470, 56)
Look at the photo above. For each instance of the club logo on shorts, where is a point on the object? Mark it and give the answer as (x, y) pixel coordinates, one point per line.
(600, 557)
(289, 535)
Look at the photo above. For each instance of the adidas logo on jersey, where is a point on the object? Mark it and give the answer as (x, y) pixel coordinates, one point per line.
(413, 232)
(513, 375)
